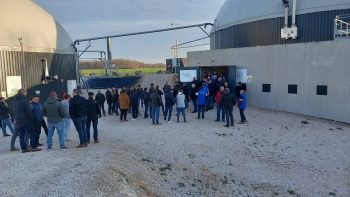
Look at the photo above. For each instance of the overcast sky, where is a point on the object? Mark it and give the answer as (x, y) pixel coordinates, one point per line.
(91, 18)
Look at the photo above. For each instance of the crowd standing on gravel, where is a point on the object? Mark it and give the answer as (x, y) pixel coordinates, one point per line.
(26, 118)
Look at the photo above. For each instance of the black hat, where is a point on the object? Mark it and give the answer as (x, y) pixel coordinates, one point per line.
(90, 93)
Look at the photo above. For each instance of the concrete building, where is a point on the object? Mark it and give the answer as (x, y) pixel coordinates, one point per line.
(298, 64)
(33, 46)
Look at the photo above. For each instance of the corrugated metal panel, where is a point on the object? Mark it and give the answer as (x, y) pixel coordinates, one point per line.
(11, 64)
(318, 26)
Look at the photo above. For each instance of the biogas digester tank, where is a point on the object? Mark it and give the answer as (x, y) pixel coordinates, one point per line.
(33, 45)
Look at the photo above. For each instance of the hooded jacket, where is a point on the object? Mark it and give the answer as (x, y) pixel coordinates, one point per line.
(93, 109)
(202, 94)
(155, 100)
(22, 110)
(124, 101)
(180, 100)
(37, 112)
(169, 99)
(54, 110)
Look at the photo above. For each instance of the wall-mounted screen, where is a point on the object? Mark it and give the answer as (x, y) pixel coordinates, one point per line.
(187, 75)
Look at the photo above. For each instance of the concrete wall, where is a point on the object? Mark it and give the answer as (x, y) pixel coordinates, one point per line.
(305, 64)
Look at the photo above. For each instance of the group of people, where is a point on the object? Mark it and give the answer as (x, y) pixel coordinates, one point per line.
(28, 116)
(25, 119)
(153, 100)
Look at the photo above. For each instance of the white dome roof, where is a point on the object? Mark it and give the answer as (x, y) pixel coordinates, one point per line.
(40, 32)
(235, 12)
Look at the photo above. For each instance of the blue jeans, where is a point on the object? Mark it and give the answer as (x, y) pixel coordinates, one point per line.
(168, 110)
(94, 126)
(66, 128)
(201, 109)
(180, 110)
(241, 113)
(116, 107)
(155, 115)
(6, 122)
(146, 110)
(24, 130)
(59, 126)
(80, 126)
(219, 109)
(150, 112)
(210, 102)
(135, 111)
(194, 101)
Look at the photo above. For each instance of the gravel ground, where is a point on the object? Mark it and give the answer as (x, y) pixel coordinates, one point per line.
(275, 154)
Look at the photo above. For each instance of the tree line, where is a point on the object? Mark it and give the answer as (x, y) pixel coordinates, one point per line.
(119, 63)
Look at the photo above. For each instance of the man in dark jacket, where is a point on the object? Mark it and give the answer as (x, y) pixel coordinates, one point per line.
(93, 113)
(212, 93)
(169, 103)
(38, 116)
(193, 96)
(166, 87)
(24, 121)
(100, 98)
(219, 108)
(134, 99)
(55, 113)
(145, 101)
(109, 98)
(228, 101)
(115, 105)
(5, 117)
(161, 97)
(77, 111)
(155, 102)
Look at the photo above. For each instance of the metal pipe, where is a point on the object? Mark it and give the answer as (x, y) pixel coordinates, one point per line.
(190, 42)
(294, 12)
(286, 10)
(93, 51)
(143, 32)
(109, 52)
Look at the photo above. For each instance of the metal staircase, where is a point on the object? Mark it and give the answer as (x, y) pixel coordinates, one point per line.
(342, 26)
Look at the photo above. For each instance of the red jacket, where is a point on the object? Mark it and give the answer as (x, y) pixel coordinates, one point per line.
(218, 97)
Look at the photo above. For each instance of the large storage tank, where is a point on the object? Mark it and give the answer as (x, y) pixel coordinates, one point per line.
(33, 45)
(247, 23)
(305, 73)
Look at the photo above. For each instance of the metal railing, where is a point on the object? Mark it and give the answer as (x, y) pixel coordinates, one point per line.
(342, 26)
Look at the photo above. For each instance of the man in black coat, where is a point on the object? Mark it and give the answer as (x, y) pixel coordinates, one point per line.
(193, 96)
(228, 101)
(134, 104)
(93, 113)
(109, 98)
(77, 111)
(24, 121)
(101, 99)
(145, 101)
